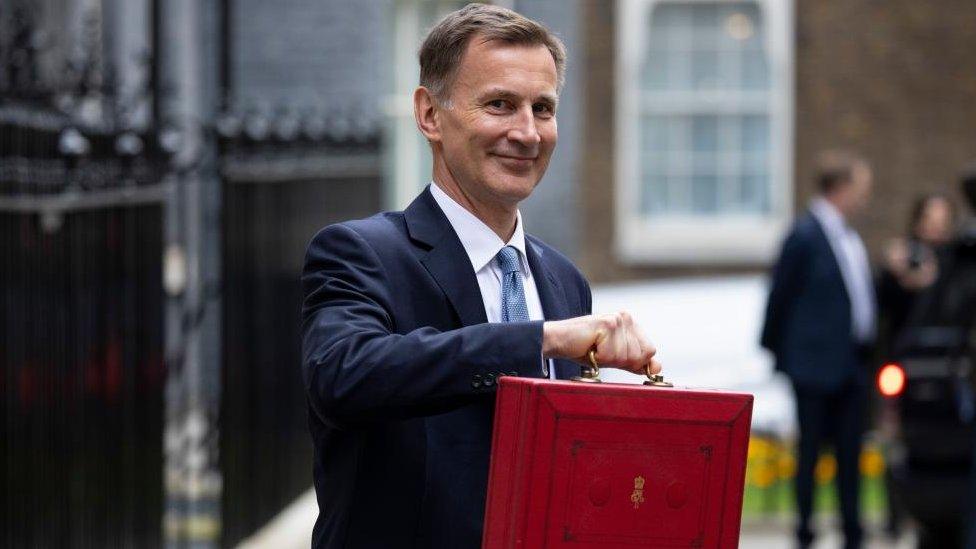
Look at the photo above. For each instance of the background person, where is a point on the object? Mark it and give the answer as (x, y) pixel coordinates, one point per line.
(911, 265)
(819, 325)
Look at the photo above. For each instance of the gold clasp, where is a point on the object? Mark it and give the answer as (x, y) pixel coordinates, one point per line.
(591, 373)
(655, 380)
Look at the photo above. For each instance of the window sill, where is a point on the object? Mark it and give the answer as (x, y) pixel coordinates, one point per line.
(728, 240)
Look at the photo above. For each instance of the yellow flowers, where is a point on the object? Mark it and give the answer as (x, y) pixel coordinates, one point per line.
(771, 466)
(770, 461)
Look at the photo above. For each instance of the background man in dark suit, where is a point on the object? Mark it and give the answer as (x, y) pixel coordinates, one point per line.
(410, 317)
(820, 320)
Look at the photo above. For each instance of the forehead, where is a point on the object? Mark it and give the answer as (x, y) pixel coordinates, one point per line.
(937, 205)
(526, 69)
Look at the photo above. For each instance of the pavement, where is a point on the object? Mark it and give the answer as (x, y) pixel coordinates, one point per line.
(778, 534)
(292, 529)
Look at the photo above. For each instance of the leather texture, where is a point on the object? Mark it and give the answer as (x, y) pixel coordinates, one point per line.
(615, 466)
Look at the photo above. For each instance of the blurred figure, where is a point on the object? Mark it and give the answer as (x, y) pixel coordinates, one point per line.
(911, 265)
(820, 323)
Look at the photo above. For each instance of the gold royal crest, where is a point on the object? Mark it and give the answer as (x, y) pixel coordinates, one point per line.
(637, 497)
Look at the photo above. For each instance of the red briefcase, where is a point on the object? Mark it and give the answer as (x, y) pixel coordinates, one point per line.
(603, 465)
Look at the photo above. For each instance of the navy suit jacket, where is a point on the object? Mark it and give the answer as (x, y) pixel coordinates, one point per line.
(808, 315)
(400, 369)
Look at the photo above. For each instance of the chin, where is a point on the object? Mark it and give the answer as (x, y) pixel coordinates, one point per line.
(514, 187)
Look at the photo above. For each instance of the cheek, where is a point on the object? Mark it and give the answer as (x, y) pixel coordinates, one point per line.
(549, 135)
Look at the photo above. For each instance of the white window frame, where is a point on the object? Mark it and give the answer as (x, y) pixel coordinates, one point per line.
(403, 154)
(408, 159)
(722, 239)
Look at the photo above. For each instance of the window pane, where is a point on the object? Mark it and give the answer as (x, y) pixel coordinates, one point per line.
(755, 133)
(755, 144)
(704, 194)
(654, 194)
(755, 193)
(704, 19)
(654, 72)
(754, 72)
(705, 70)
(654, 134)
(653, 152)
(704, 133)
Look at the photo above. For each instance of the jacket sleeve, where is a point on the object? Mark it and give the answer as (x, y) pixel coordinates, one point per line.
(587, 298)
(357, 367)
(787, 281)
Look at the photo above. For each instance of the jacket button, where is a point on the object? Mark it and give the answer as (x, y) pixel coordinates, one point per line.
(476, 381)
(489, 380)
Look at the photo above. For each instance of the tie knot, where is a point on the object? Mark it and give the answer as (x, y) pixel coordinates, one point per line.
(508, 259)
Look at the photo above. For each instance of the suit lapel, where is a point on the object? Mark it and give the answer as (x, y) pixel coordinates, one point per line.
(553, 299)
(828, 251)
(446, 260)
(550, 291)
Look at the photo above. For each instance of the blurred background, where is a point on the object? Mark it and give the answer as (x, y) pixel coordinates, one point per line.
(163, 164)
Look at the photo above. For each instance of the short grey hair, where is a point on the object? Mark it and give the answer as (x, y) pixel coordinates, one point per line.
(442, 50)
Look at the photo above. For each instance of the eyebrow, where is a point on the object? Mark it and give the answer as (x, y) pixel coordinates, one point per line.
(549, 98)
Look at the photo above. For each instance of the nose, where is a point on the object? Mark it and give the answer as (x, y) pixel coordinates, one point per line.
(524, 130)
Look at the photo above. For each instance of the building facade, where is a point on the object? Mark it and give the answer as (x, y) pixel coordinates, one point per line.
(706, 114)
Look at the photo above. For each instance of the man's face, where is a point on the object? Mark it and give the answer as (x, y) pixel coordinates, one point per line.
(498, 129)
(860, 189)
(855, 195)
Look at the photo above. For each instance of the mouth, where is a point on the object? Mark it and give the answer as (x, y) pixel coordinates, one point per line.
(516, 158)
(517, 164)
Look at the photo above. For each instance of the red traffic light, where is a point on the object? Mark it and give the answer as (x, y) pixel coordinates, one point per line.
(891, 380)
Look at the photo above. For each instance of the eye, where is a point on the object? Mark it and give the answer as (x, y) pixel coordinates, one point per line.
(543, 109)
(497, 104)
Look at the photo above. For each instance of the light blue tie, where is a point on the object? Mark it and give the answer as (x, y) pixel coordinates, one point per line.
(513, 295)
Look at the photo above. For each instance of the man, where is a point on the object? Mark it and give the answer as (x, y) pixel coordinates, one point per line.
(820, 321)
(410, 317)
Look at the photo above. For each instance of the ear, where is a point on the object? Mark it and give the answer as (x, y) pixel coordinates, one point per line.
(425, 111)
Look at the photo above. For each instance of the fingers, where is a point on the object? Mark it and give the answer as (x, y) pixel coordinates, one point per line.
(646, 347)
(618, 340)
(625, 345)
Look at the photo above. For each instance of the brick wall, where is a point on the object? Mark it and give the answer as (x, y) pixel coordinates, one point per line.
(896, 81)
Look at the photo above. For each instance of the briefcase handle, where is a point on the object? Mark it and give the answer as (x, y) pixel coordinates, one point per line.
(591, 374)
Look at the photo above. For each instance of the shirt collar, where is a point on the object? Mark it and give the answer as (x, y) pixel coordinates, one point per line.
(479, 241)
(828, 215)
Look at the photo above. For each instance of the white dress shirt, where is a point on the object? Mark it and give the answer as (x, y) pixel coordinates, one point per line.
(854, 267)
(482, 245)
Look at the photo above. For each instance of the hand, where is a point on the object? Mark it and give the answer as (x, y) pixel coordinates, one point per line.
(899, 262)
(619, 342)
(921, 277)
(896, 256)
